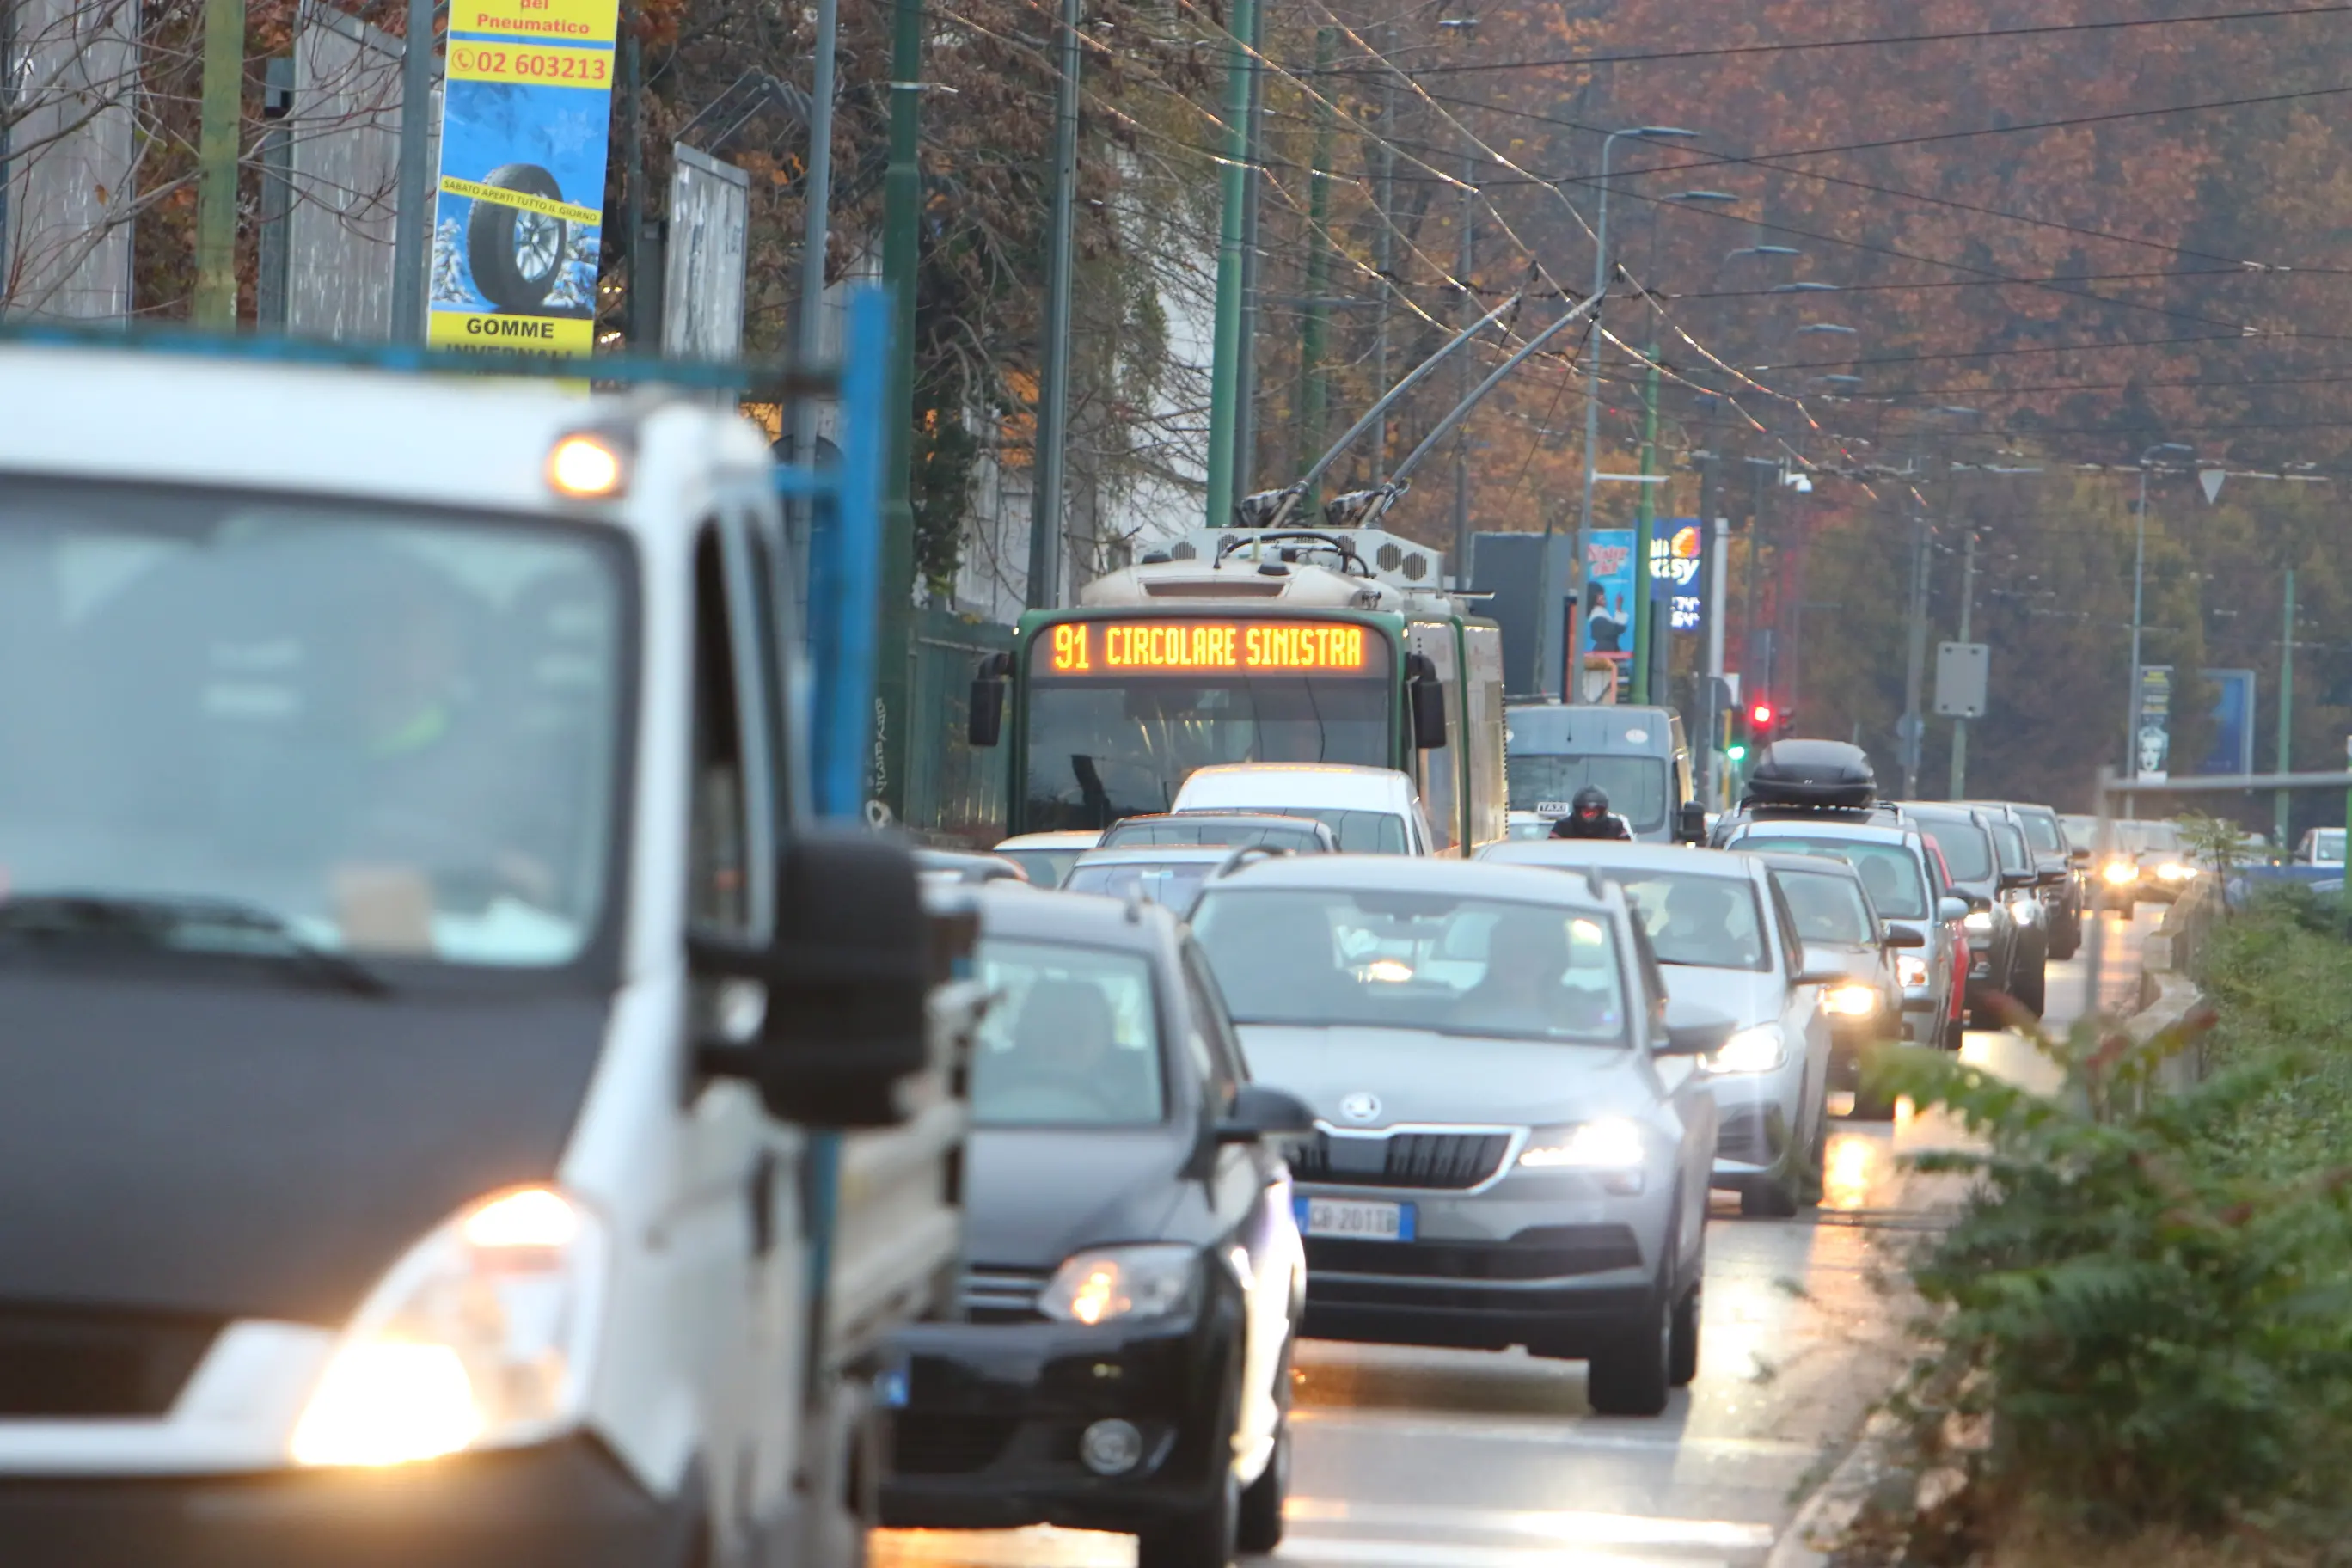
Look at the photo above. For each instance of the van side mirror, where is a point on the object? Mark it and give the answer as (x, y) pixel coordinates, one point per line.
(1901, 936)
(847, 979)
(1948, 908)
(984, 720)
(1259, 1113)
(1690, 823)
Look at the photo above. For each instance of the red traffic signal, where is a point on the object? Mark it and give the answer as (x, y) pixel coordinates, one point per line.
(1761, 716)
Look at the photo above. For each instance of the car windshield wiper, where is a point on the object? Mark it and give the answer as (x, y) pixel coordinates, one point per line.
(157, 919)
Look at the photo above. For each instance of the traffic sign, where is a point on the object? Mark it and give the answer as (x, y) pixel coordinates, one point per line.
(1960, 669)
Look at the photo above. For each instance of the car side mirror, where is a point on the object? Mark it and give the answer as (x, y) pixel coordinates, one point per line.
(1948, 908)
(1692, 1031)
(2011, 880)
(984, 720)
(1690, 823)
(1901, 936)
(1259, 1113)
(2079, 857)
(2053, 877)
(1818, 971)
(848, 977)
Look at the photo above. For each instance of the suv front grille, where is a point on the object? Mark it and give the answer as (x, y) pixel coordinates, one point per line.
(991, 1294)
(1434, 1161)
(57, 1363)
(1545, 1252)
(949, 1444)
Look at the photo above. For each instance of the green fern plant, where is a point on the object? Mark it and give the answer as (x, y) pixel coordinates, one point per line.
(2131, 1324)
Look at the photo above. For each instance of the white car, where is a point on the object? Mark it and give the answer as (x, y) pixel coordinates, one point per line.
(1373, 811)
(1727, 941)
(1048, 857)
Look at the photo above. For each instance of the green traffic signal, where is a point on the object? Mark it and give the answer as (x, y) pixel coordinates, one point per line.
(1737, 751)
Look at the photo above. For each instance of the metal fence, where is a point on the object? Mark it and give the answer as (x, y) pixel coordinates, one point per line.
(955, 795)
(68, 156)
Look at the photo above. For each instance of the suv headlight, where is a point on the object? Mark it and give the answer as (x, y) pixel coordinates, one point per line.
(1106, 1282)
(1978, 921)
(2174, 871)
(2025, 910)
(1611, 1143)
(1851, 1000)
(2118, 872)
(1910, 969)
(481, 1337)
(1757, 1048)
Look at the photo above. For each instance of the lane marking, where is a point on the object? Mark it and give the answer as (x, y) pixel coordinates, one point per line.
(1446, 1554)
(1549, 1432)
(1569, 1529)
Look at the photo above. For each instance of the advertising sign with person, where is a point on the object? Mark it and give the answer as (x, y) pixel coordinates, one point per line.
(519, 222)
(1606, 626)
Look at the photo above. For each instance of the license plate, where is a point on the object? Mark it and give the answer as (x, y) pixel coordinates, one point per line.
(1355, 1219)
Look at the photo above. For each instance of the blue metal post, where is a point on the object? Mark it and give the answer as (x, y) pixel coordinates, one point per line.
(846, 569)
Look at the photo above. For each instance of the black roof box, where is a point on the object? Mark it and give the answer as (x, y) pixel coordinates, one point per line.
(1812, 773)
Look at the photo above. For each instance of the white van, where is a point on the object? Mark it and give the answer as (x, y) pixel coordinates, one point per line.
(1374, 811)
(422, 987)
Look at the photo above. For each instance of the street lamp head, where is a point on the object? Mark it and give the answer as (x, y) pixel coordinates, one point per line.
(1654, 132)
(2164, 446)
(1829, 327)
(1762, 251)
(1802, 288)
(1957, 408)
(1694, 198)
(1842, 380)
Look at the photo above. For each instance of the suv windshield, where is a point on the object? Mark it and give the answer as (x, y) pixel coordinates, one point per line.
(1829, 908)
(1358, 832)
(1072, 1039)
(1636, 786)
(1707, 922)
(387, 732)
(1968, 851)
(1898, 883)
(1174, 883)
(1397, 960)
(2042, 832)
(1208, 828)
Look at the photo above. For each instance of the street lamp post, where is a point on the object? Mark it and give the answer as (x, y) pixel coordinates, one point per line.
(1573, 663)
(2139, 573)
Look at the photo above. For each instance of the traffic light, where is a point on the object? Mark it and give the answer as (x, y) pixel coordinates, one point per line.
(1760, 715)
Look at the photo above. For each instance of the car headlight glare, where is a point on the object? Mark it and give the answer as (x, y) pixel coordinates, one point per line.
(1979, 919)
(1611, 1143)
(1107, 1282)
(2174, 871)
(2119, 872)
(481, 1337)
(1757, 1048)
(1852, 1000)
(1910, 969)
(2025, 911)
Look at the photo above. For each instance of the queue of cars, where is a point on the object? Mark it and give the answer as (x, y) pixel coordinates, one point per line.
(1476, 1100)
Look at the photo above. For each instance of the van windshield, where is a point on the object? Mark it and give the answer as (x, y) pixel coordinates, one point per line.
(390, 732)
(1358, 832)
(1636, 786)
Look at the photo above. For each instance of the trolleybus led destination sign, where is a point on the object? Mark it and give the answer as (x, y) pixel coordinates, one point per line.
(1205, 648)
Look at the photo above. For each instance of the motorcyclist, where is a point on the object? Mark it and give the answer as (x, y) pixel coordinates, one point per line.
(1589, 816)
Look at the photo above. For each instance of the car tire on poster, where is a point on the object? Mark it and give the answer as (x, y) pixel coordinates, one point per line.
(517, 257)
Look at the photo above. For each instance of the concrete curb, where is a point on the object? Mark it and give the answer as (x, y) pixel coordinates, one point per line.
(1824, 1515)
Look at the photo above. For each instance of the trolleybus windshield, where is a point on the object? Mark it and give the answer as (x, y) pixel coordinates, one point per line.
(1121, 712)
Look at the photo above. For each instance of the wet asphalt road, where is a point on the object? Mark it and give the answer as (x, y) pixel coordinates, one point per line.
(1419, 1458)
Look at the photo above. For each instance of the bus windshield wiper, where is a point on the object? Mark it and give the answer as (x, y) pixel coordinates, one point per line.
(158, 918)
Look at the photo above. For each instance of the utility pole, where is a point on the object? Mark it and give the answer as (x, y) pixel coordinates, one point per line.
(1054, 387)
(1960, 725)
(641, 311)
(219, 123)
(1470, 312)
(2286, 712)
(902, 206)
(1312, 390)
(1225, 365)
(1384, 251)
(413, 199)
(1252, 311)
(1645, 581)
(816, 239)
(1915, 669)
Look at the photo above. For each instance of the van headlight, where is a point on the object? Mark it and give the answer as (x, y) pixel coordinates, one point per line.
(2025, 911)
(1910, 969)
(1106, 1282)
(2174, 871)
(481, 1337)
(2118, 872)
(1978, 921)
(1852, 1000)
(1757, 1048)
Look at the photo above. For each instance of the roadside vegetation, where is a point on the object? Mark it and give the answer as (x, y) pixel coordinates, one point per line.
(2137, 1345)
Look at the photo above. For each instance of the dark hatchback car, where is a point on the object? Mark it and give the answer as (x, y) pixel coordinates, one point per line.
(1973, 862)
(1841, 927)
(1119, 1355)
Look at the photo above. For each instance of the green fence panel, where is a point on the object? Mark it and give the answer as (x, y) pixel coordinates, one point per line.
(955, 795)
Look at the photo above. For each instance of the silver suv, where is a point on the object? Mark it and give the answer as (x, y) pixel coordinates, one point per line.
(1512, 1137)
